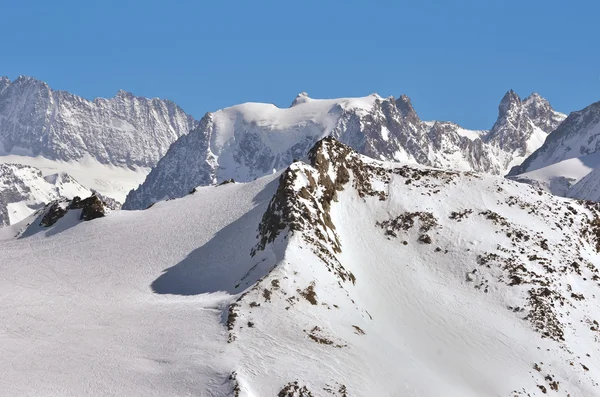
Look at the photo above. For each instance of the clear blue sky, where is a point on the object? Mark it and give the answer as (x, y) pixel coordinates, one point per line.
(455, 59)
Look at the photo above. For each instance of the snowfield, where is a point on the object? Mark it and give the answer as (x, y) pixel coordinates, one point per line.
(340, 276)
(110, 180)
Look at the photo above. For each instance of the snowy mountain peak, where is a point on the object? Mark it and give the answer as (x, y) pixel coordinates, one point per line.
(542, 114)
(522, 126)
(250, 140)
(354, 217)
(509, 102)
(406, 109)
(301, 98)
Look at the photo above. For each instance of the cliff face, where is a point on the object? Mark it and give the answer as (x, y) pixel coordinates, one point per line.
(125, 131)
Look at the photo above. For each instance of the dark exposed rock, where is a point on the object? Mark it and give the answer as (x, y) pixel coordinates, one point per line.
(55, 211)
(91, 208)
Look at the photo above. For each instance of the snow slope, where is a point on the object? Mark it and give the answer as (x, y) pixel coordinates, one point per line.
(24, 189)
(568, 154)
(342, 276)
(588, 188)
(559, 178)
(576, 137)
(250, 140)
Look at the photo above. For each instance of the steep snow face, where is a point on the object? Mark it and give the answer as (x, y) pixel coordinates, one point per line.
(24, 189)
(124, 131)
(576, 137)
(588, 188)
(347, 276)
(251, 140)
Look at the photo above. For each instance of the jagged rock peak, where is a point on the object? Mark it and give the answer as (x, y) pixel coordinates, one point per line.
(404, 105)
(300, 98)
(541, 113)
(509, 101)
(124, 94)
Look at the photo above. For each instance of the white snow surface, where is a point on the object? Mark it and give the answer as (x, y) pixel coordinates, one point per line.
(169, 301)
(79, 315)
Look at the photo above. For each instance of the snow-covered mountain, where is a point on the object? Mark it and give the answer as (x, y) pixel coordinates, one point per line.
(247, 141)
(125, 131)
(569, 153)
(23, 190)
(587, 188)
(348, 277)
(112, 143)
(522, 127)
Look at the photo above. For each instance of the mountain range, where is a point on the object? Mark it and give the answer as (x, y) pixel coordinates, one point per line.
(337, 247)
(106, 144)
(252, 140)
(110, 145)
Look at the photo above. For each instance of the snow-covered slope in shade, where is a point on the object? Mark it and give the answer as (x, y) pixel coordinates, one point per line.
(588, 188)
(247, 141)
(576, 137)
(23, 190)
(125, 131)
(559, 178)
(342, 276)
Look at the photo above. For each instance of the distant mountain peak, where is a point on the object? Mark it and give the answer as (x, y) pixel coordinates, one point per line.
(510, 101)
(300, 98)
(61, 126)
(404, 105)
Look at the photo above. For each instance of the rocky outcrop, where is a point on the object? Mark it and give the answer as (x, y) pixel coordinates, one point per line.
(91, 208)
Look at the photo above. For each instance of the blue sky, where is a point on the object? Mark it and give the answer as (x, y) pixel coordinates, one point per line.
(455, 59)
